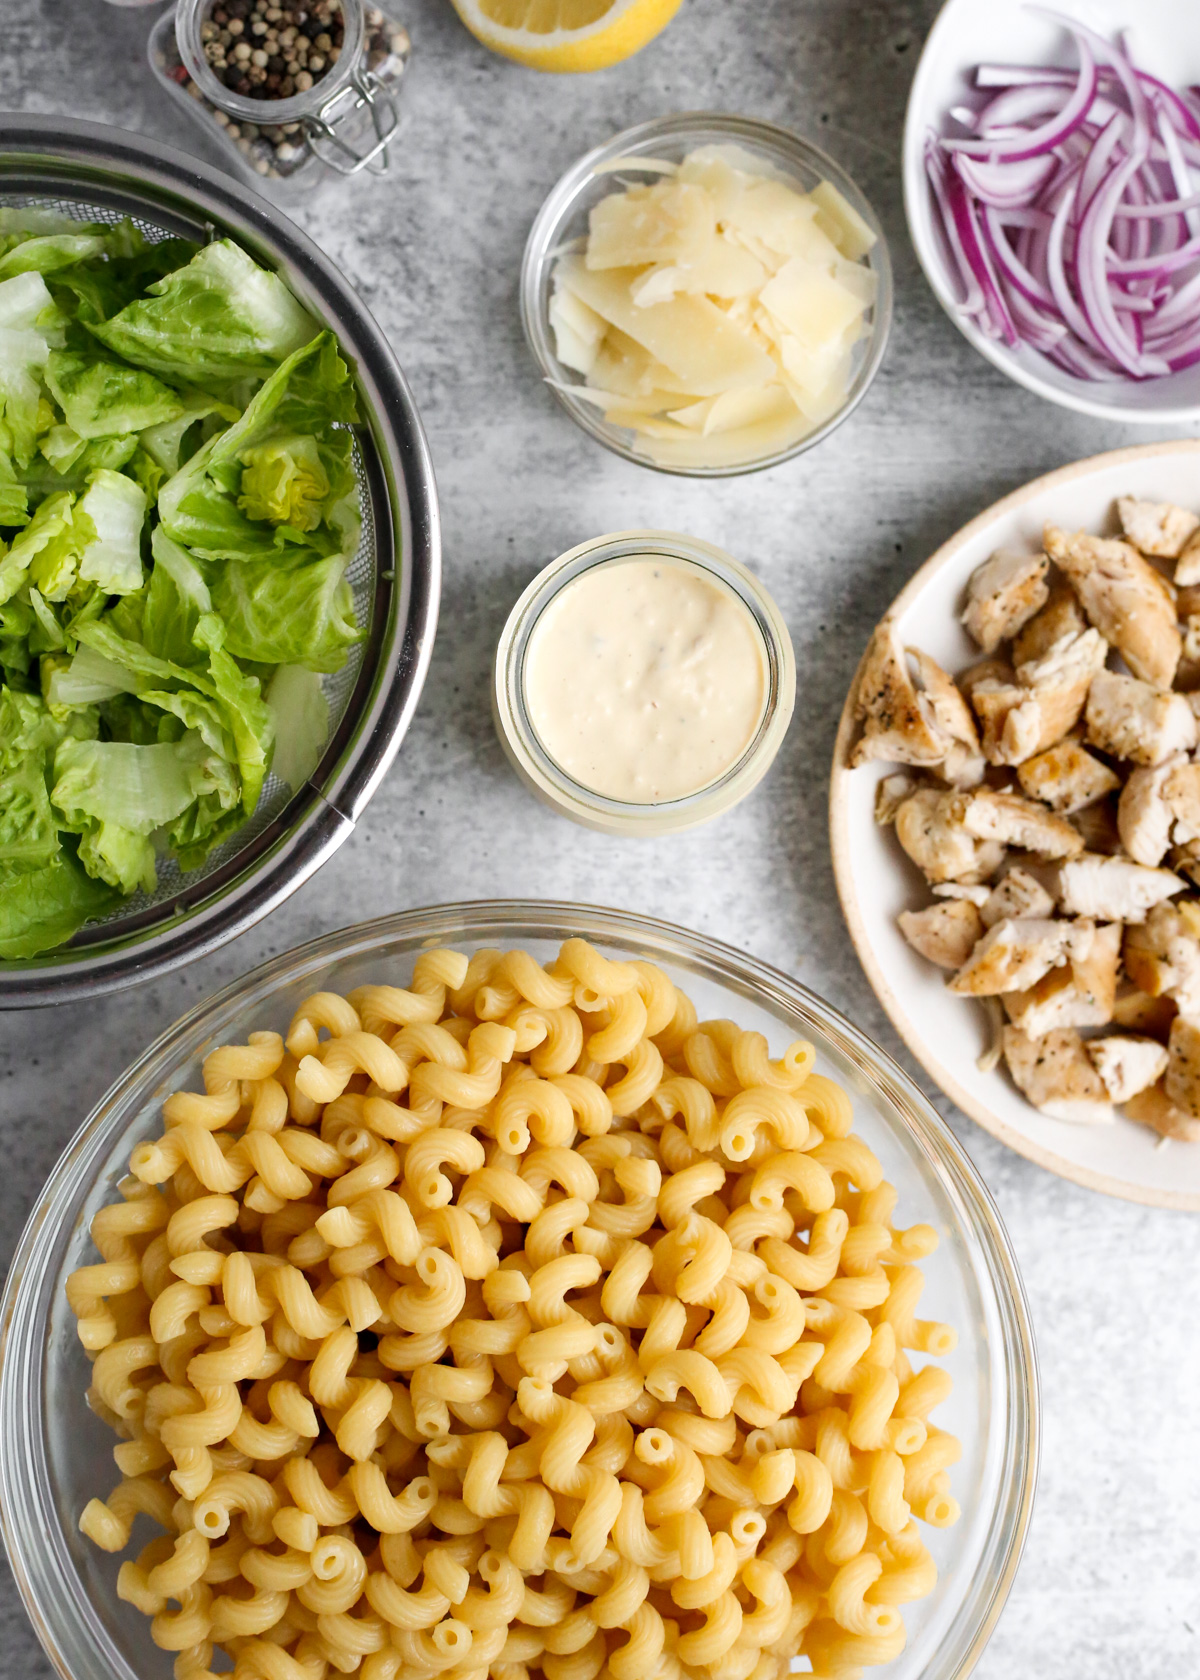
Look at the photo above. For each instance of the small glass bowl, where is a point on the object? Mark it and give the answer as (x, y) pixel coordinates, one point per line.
(548, 780)
(563, 219)
(55, 1454)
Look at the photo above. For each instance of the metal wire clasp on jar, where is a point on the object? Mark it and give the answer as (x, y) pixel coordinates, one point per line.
(241, 58)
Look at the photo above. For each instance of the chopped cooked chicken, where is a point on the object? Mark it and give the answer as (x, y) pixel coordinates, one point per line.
(1010, 720)
(1080, 995)
(1187, 567)
(1185, 860)
(1026, 717)
(1162, 957)
(901, 720)
(1158, 528)
(1016, 821)
(1112, 889)
(1127, 1065)
(949, 717)
(1154, 1108)
(1144, 816)
(894, 725)
(1125, 598)
(1098, 826)
(945, 933)
(1061, 616)
(1061, 678)
(1144, 1014)
(1067, 778)
(932, 833)
(891, 794)
(1056, 1074)
(1015, 954)
(1182, 793)
(1016, 895)
(1182, 1083)
(978, 896)
(1004, 593)
(1134, 720)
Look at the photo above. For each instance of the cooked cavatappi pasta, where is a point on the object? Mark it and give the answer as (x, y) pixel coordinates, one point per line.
(515, 1323)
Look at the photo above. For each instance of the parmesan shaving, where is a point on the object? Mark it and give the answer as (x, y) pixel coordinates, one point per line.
(714, 312)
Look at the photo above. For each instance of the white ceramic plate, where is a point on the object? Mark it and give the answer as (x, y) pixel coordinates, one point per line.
(1165, 39)
(876, 881)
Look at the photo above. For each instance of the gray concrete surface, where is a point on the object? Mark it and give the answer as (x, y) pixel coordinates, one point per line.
(1109, 1585)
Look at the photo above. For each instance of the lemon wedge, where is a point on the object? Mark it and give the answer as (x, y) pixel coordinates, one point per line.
(566, 35)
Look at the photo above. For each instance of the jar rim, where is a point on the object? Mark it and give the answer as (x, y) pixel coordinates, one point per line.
(267, 113)
(548, 779)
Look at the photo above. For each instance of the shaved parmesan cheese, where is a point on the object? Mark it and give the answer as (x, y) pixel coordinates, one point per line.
(715, 311)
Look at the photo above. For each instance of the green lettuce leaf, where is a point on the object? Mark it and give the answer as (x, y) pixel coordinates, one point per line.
(249, 716)
(42, 908)
(101, 398)
(139, 788)
(45, 550)
(199, 505)
(300, 714)
(26, 303)
(119, 856)
(23, 357)
(28, 831)
(219, 318)
(286, 612)
(46, 253)
(175, 599)
(116, 507)
(14, 497)
(284, 481)
(165, 442)
(92, 292)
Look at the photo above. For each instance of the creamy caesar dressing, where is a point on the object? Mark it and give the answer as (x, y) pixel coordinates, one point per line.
(645, 680)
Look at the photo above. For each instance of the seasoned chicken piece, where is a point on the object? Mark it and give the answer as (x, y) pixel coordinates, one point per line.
(1134, 720)
(1026, 717)
(1010, 720)
(891, 794)
(1112, 889)
(1144, 817)
(1127, 1065)
(1016, 895)
(1187, 567)
(1182, 1083)
(945, 933)
(1125, 598)
(932, 834)
(1015, 954)
(978, 896)
(1066, 777)
(1181, 791)
(1098, 826)
(1003, 594)
(1016, 821)
(1055, 1073)
(949, 716)
(901, 720)
(1141, 1013)
(1154, 1108)
(1162, 957)
(1061, 616)
(1080, 995)
(1157, 528)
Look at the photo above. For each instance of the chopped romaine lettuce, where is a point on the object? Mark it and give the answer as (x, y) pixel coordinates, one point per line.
(178, 507)
(219, 318)
(101, 398)
(116, 507)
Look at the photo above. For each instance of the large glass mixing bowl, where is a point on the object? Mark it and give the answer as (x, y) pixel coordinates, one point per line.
(54, 1454)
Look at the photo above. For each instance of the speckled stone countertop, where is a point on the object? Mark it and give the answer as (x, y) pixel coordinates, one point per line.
(1110, 1584)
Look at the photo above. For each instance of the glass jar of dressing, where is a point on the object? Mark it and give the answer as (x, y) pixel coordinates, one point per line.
(286, 120)
(643, 683)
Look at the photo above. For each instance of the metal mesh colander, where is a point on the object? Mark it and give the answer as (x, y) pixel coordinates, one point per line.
(104, 175)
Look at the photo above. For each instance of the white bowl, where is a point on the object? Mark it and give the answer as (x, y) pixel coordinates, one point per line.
(1164, 40)
(876, 881)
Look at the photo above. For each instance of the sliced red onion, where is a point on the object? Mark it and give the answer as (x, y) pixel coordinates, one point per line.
(1070, 210)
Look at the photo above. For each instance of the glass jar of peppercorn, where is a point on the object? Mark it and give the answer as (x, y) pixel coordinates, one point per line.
(295, 89)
